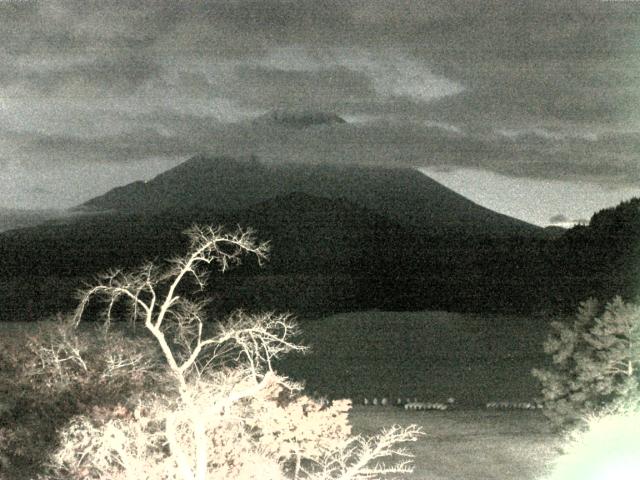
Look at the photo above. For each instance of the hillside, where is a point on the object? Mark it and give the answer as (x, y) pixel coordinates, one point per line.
(605, 254)
(19, 218)
(327, 255)
(307, 233)
(224, 184)
(318, 246)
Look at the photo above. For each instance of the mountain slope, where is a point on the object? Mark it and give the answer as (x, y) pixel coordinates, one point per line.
(17, 218)
(319, 248)
(223, 184)
(307, 233)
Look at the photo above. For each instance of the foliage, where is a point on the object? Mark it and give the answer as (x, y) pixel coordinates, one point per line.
(596, 360)
(354, 459)
(66, 356)
(222, 411)
(58, 372)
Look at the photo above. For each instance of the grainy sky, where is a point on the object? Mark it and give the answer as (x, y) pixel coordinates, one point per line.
(529, 107)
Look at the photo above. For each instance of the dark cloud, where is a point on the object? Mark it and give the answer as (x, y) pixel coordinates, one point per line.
(284, 18)
(540, 61)
(117, 75)
(573, 61)
(559, 218)
(376, 142)
(138, 143)
(332, 88)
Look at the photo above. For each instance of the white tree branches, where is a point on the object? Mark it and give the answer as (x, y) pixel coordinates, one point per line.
(361, 458)
(230, 410)
(153, 296)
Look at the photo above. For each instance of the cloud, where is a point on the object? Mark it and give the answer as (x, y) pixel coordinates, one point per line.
(609, 160)
(562, 220)
(115, 75)
(329, 88)
(559, 218)
(542, 89)
(547, 61)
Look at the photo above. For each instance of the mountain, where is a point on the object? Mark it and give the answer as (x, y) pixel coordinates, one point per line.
(319, 249)
(224, 184)
(329, 255)
(307, 233)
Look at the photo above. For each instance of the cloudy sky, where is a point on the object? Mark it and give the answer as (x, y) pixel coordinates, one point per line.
(529, 107)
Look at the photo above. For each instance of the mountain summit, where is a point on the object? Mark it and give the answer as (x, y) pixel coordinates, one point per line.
(224, 184)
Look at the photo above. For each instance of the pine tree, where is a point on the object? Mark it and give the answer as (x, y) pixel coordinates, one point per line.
(596, 360)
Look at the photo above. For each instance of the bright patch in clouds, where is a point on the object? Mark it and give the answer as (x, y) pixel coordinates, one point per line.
(444, 126)
(515, 134)
(540, 202)
(393, 73)
(398, 75)
(65, 186)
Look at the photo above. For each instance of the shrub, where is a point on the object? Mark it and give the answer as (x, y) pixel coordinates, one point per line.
(222, 411)
(58, 372)
(595, 361)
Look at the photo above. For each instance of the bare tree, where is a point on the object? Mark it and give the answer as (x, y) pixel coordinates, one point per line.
(354, 460)
(232, 411)
(143, 290)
